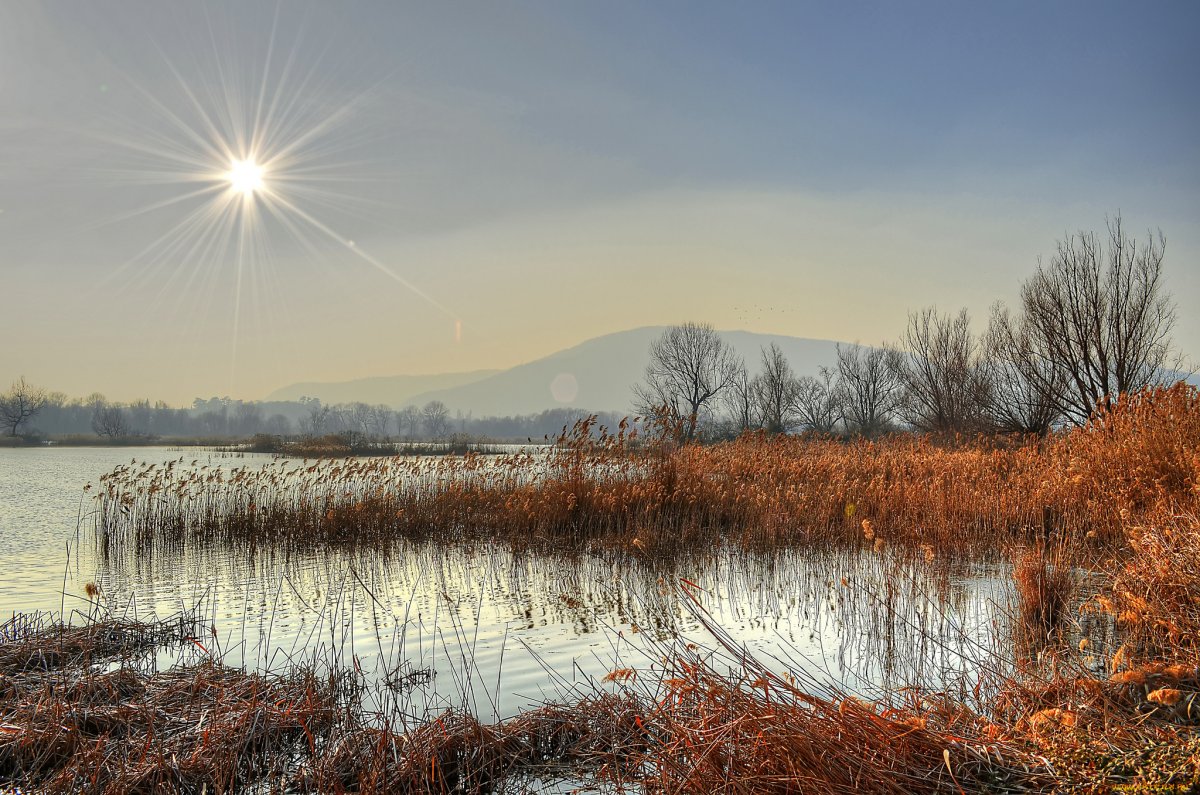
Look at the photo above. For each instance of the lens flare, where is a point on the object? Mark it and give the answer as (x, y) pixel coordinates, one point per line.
(245, 177)
(248, 164)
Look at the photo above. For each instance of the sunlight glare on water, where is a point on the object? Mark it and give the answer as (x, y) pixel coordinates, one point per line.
(481, 626)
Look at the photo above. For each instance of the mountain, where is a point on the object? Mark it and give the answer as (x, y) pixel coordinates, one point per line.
(596, 375)
(599, 374)
(393, 390)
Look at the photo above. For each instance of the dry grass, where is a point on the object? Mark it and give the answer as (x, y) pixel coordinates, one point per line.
(591, 492)
(1044, 592)
(1127, 487)
(203, 727)
(70, 723)
(1155, 596)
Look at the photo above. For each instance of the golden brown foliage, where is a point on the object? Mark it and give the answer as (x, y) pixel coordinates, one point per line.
(1139, 459)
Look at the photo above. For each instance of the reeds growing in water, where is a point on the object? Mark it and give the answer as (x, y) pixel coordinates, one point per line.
(597, 490)
(1123, 490)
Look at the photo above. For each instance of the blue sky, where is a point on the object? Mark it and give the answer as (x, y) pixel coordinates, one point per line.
(518, 177)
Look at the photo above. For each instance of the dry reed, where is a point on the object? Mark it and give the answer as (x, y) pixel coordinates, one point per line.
(603, 491)
(1128, 485)
(1044, 592)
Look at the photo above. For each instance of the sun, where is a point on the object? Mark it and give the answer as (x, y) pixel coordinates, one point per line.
(245, 177)
(248, 168)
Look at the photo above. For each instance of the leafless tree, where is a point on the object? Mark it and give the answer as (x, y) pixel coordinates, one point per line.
(247, 418)
(942, 374)
(690, 367)
(110, 422)
(816, 402)
(436, 419)
(408, 422)
(1026, 389)
(1098, 315)
(868, 388)
(20, 404)
(739, 402)
(317, 418)
(359, 418)
(775, 390)
(380, 420)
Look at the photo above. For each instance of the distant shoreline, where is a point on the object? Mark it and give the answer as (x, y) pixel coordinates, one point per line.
(323, 447)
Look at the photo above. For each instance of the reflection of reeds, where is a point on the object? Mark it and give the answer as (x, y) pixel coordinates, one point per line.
(869, 618)
(681, 728)
(1127, 485)
(71, 723)
(1044, 591)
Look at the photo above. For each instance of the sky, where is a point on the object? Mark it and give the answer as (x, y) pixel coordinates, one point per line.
(451, 187)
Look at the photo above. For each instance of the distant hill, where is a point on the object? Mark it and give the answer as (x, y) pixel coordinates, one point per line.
(392, 390)
(596, 375)
(599, 374)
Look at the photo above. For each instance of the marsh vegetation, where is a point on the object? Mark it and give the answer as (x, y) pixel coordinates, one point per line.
(976, 568)
(1081, 674)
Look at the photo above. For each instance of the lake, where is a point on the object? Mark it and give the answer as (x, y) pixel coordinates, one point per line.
(481, 626)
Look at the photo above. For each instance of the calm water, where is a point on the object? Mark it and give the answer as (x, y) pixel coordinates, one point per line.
(483, 627)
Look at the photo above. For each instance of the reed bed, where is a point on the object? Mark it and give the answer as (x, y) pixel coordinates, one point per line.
(683, 726)
(1126, 487)
(600, 490)
(1044, 590)
(82, 709)
(1155, 595)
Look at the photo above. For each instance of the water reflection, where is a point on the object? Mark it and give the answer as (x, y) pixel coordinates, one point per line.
(499, 630)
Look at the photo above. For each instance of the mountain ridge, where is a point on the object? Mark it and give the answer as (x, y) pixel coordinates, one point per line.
(597, 374)
(372, 389)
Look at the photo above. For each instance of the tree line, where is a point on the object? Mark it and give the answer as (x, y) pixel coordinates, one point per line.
(1092, 322)
(31, 411)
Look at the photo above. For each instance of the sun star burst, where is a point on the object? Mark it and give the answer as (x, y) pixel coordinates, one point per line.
(246, 177)
(255, 172)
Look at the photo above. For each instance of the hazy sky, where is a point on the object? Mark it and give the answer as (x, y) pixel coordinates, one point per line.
(462, 186)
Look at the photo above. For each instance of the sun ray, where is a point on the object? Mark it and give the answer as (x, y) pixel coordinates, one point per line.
(363, 255)
(158, 205)
(259, 161)
(255, 143)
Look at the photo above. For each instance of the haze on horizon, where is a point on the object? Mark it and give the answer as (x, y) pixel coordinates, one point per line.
(483, 184)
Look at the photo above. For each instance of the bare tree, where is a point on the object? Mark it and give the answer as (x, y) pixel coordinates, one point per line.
(868, 388)
(1025, 388)
(359, 418)
(110, 422)
(1097, 314)
(739, 401)
(690, 367)
(942, 374)
(20, 404)
(436, 419)
(775, 390)
(380, 420)
(317, 418)
(247, 418)
(816, 402)
(408, 422)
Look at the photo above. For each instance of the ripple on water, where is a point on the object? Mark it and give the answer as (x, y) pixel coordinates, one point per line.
(500, 631)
